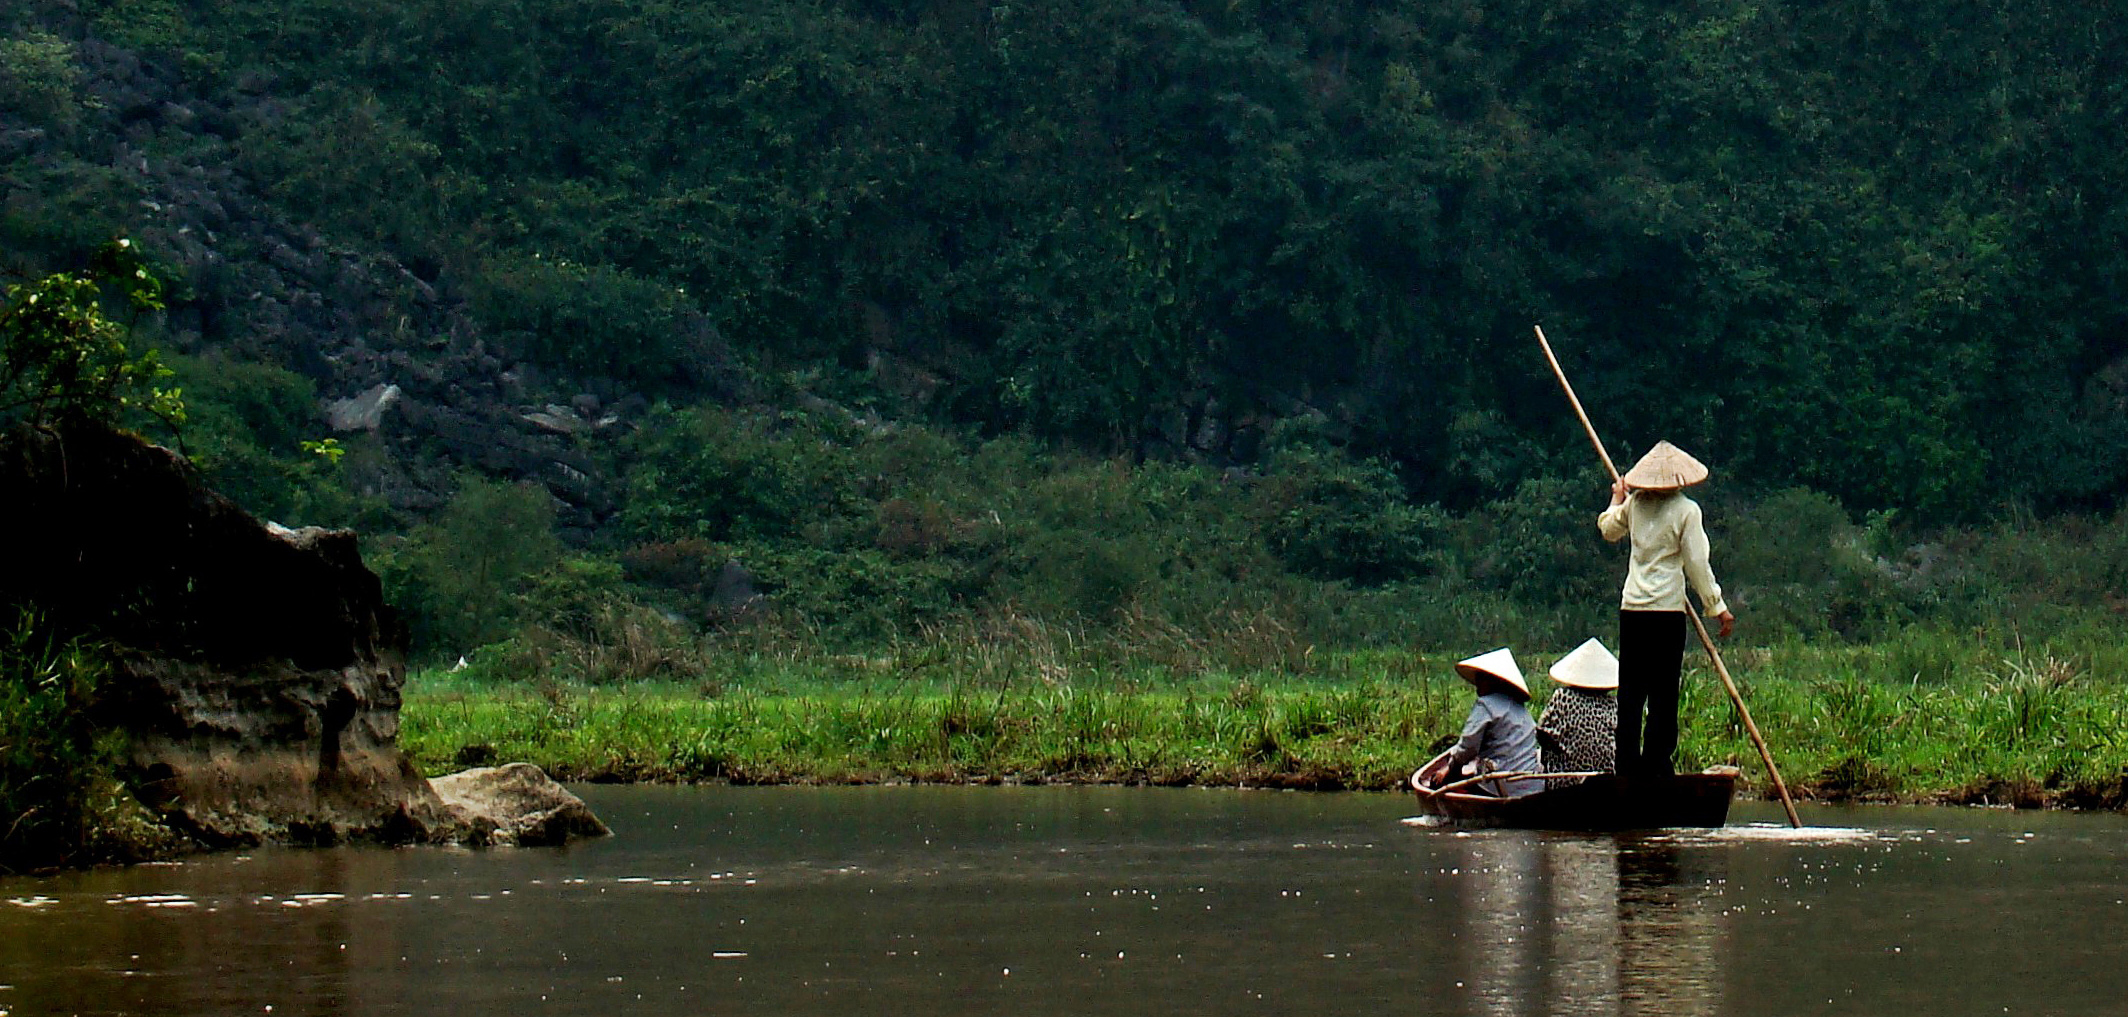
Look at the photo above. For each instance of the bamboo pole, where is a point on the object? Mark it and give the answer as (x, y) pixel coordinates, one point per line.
(1575, 401)
(1705, 640)
(1750, 728)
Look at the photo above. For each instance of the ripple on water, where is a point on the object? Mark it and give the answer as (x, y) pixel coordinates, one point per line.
(1753, 833)
(1775, 833)
(155, 900)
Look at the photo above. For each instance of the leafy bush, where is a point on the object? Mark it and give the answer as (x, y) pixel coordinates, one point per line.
(1333, 517)
(1541, 547)
(458, 577)
(858, 596)
(594, 319)
(579, 622)
(51, 757)
(688, 567)
(61, 356)
(712, 474)
(2078, 563)
(1797, 564)
(60, 213)
(347, 142)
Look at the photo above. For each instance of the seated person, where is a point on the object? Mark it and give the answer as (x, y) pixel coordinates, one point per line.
(1578, 732)
(1499, 736)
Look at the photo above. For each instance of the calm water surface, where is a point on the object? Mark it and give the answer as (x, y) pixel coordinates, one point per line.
(1055, 900)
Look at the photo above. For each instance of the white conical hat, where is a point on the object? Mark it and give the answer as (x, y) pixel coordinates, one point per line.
(1665, 468)
(1499, 664)
(1590, 666)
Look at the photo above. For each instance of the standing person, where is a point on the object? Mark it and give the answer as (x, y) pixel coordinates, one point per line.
(1669, 547)
(1499, 736)
(1578, 732)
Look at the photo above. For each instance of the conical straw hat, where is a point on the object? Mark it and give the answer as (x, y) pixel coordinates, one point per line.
(1590, 666)
(1665, 468)
(1499, 664)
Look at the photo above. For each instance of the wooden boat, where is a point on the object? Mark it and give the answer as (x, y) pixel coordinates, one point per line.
(1605, 802)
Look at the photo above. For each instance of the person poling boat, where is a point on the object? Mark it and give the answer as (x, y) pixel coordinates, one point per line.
(1499, 736)
(1618, 490)
(1669, 547)
(1579, 728)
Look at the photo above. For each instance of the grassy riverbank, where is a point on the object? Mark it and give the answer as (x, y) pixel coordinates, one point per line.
(1930, 716)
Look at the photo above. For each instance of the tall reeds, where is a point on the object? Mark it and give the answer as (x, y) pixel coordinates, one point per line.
(1942, 716)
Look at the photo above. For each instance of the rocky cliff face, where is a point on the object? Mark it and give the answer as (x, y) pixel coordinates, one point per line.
(257, 668)
(253, 281)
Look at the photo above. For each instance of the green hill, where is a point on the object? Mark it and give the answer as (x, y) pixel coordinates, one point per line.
(1118, 309)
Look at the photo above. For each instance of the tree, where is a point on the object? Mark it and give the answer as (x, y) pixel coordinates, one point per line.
(456, 576)
(63, 359)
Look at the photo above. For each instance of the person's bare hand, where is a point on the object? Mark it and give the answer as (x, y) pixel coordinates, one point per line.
(1728, 621)
(1618, 491)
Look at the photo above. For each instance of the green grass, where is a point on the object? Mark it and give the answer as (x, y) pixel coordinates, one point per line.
(1131, 729)
(1931, 716)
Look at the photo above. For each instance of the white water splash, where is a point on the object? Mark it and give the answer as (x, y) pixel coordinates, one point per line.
(1775, 833)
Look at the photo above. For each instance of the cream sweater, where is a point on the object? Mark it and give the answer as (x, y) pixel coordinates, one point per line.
(1669, 546)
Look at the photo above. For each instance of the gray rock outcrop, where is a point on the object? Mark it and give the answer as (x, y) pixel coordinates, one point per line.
(363, 411)
(255, 670)
(515, 804)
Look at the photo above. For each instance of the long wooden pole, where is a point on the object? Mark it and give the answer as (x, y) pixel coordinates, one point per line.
(1575, 401)
(1787, 803)
(1698, 626)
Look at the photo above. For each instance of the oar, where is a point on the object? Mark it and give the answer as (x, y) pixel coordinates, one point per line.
(1691, 612)
(1512, 775)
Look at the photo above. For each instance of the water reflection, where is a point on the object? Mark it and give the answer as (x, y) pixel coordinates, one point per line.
(1056, 902)
(1586, 921)
(1669, 930)
(1610, 927)
(105, 951)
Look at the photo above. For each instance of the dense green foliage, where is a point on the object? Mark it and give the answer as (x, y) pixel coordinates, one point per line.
(1866, 258)
(864, 536)
(1872, 249)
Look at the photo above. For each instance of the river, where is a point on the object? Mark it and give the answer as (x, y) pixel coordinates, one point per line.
(1072, 900)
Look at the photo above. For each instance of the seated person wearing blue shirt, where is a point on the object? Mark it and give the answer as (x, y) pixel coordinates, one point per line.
(1498, 737)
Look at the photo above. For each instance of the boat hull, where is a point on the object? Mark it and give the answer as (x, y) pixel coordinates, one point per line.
(1599, 803)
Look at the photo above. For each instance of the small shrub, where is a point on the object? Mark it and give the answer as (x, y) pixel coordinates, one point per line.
(1541, 546)
(456, 577)
(51, 760)
(710, 474)
(1332, 517)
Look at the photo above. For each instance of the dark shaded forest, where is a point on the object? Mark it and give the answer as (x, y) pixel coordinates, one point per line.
(1120, 309)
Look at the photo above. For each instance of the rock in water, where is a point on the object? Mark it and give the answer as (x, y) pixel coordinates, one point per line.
(256, 669)
(516, 803)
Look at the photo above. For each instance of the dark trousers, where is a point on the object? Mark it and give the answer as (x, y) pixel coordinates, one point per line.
(1651, 652)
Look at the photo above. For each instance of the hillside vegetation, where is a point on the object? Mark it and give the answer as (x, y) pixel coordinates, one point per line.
(1172, 323)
